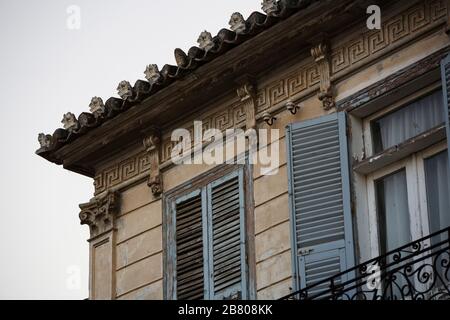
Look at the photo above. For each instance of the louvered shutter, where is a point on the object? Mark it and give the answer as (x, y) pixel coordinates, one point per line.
(226, 238)
(319, 195)
(190, 263)
(445, 78)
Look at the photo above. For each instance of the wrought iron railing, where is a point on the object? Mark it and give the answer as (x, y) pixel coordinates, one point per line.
(419, 270)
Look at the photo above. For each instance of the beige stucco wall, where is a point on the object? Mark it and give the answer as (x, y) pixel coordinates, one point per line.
(138, 270)
(137, 245)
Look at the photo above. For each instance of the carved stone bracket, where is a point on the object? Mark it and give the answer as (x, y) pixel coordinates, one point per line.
(99, 213)
(152, 145)
(247, 94)
(321, 55)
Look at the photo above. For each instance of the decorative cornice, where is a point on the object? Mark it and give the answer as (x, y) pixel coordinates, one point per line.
(127, 169)
(398, 30)
(99, 213)
(304, 79)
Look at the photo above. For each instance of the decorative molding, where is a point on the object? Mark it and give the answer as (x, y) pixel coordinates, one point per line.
(406, 24)
(99, 213)
(97, 107)
(321, 55)
(363, 48)
(205, 41)
(270, 7)
(152, 145)
(268, 118)
(70, 122)
(45, 140)
(297, 82)
(124, 89)
(152, 73)
(122, 171)
(233, 116)
(293, 107)
(394, 81)
(237, 23)
(247, 95)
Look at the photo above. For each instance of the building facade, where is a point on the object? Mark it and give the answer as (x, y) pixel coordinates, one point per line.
(357, 119)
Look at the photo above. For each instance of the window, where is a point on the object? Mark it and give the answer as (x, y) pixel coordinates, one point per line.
(409, 121)
(401, 166)
(207, 241)
(403, 146)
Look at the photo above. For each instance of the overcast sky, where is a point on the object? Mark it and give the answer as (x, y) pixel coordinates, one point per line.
(47, 69)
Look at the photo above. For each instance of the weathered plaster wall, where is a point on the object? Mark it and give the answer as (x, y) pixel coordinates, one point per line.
(139, 245)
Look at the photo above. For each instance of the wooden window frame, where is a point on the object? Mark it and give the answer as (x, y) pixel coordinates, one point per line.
(417, 199)
(198, 183)
(367, 122)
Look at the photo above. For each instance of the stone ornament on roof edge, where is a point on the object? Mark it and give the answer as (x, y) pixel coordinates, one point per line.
(124, 90)
(44, 140)
(69, 121)
(205, 41)
(237, 23)
(152, 73)
(97, 106)
(270, 7)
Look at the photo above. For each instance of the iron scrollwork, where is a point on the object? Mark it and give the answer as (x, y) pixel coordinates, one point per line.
(419, 270)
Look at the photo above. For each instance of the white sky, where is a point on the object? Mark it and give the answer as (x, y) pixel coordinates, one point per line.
(46, 70)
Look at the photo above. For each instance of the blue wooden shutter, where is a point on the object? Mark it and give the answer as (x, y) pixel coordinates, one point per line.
(445, 78)
(190, 250)
(319, 195)
(227, 262)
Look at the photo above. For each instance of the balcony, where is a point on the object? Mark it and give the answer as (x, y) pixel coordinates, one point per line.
(419, 270)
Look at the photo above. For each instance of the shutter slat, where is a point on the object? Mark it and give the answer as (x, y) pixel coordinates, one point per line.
(336, 210)
(225, 211)
(312, 150)
(324, 156)
(319, 133)
(321, 205)
(313, 130)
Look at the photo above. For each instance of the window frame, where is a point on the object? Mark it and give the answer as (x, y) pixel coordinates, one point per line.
(200, 183)
(367, 123)
(416, 190)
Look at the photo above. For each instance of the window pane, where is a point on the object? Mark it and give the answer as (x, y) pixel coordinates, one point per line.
(393, 211)
(436, 179)
(408, 122)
